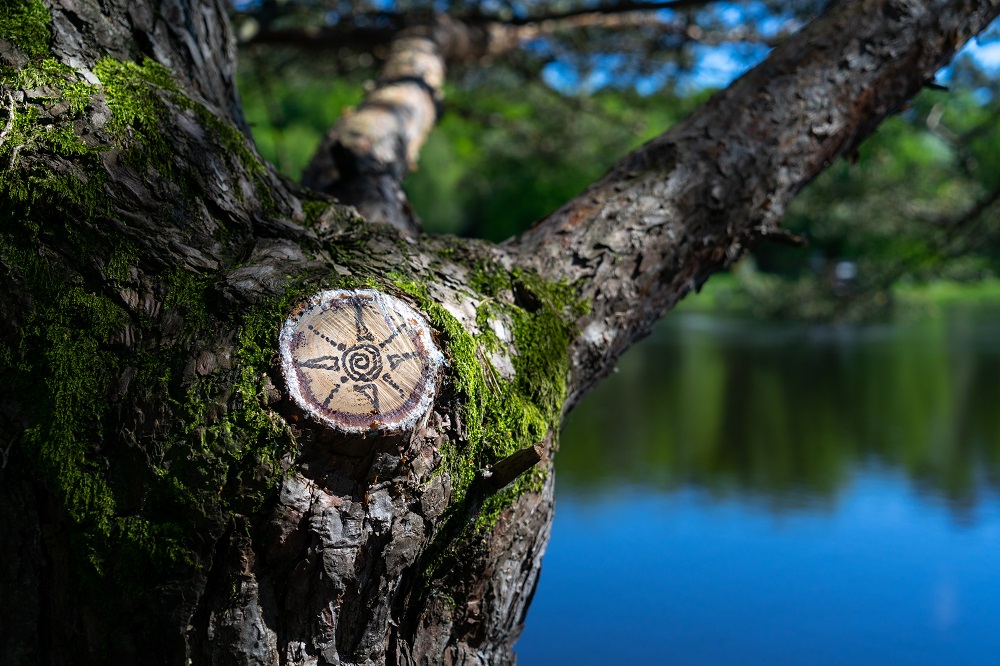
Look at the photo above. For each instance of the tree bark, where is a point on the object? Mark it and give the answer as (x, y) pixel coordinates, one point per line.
(162, 499)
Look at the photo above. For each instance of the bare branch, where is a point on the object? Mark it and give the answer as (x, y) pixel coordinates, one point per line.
(495, 38)
(611, 8)
(365, 156)
(322, 39)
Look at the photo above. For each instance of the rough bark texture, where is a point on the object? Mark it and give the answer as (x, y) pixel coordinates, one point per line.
(161, 499)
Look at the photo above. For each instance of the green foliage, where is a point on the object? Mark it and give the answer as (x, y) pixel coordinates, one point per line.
(734, 407)
(496, 162)
(507, 152)
(899, 212)
(499, 162)
(290, 112)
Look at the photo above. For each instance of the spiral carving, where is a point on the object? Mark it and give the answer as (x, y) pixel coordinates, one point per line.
(362, 363)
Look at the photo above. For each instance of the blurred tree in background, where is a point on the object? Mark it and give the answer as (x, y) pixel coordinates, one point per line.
(592, 81)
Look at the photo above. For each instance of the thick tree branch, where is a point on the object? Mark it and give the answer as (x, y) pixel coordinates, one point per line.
(690, 202)
(367, 153)
(161, 493)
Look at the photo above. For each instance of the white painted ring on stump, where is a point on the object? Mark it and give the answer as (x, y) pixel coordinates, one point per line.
(360, 360)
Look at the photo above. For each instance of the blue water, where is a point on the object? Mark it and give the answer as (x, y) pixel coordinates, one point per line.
(881, 577)
(894, 563)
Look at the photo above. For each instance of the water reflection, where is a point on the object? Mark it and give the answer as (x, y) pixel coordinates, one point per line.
(749, 493)
(785, 414)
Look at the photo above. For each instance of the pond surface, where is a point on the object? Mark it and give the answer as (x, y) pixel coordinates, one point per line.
(753, 493)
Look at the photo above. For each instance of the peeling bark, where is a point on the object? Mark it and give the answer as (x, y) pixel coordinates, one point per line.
(163, 500)
(365, 156)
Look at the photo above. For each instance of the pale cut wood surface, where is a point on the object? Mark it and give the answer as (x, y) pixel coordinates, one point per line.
(360, 360)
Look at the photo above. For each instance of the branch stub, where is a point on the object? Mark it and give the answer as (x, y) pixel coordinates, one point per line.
(359, 360)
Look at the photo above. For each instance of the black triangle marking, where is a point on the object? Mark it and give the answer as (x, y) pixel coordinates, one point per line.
(389, 339)
(326, 403)
(370, 391)
(318, 363)
(396, 359)
(387, 378)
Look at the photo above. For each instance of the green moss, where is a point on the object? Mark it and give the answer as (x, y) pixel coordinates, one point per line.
(501, 416)
(78, 374)
(186, 292)
(27, 180)
(231, 140)
(143, 98)
(488, 278)
(26, 24)
(493, 507)
(487, 337)
(63, 370)
(235, 143)
(313, 208)
(132, 502)
(66, 373)
(139, 96)
(43, 72)
(220, 456)
(122, 259)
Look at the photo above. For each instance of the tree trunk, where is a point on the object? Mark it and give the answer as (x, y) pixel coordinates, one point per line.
(162, 496)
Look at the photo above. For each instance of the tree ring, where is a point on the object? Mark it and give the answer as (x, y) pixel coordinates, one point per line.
(359, 360)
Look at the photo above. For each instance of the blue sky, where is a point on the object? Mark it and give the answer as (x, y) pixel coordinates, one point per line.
(717, 66)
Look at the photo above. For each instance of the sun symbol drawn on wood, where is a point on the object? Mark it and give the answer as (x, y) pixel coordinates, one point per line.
(360, 360)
